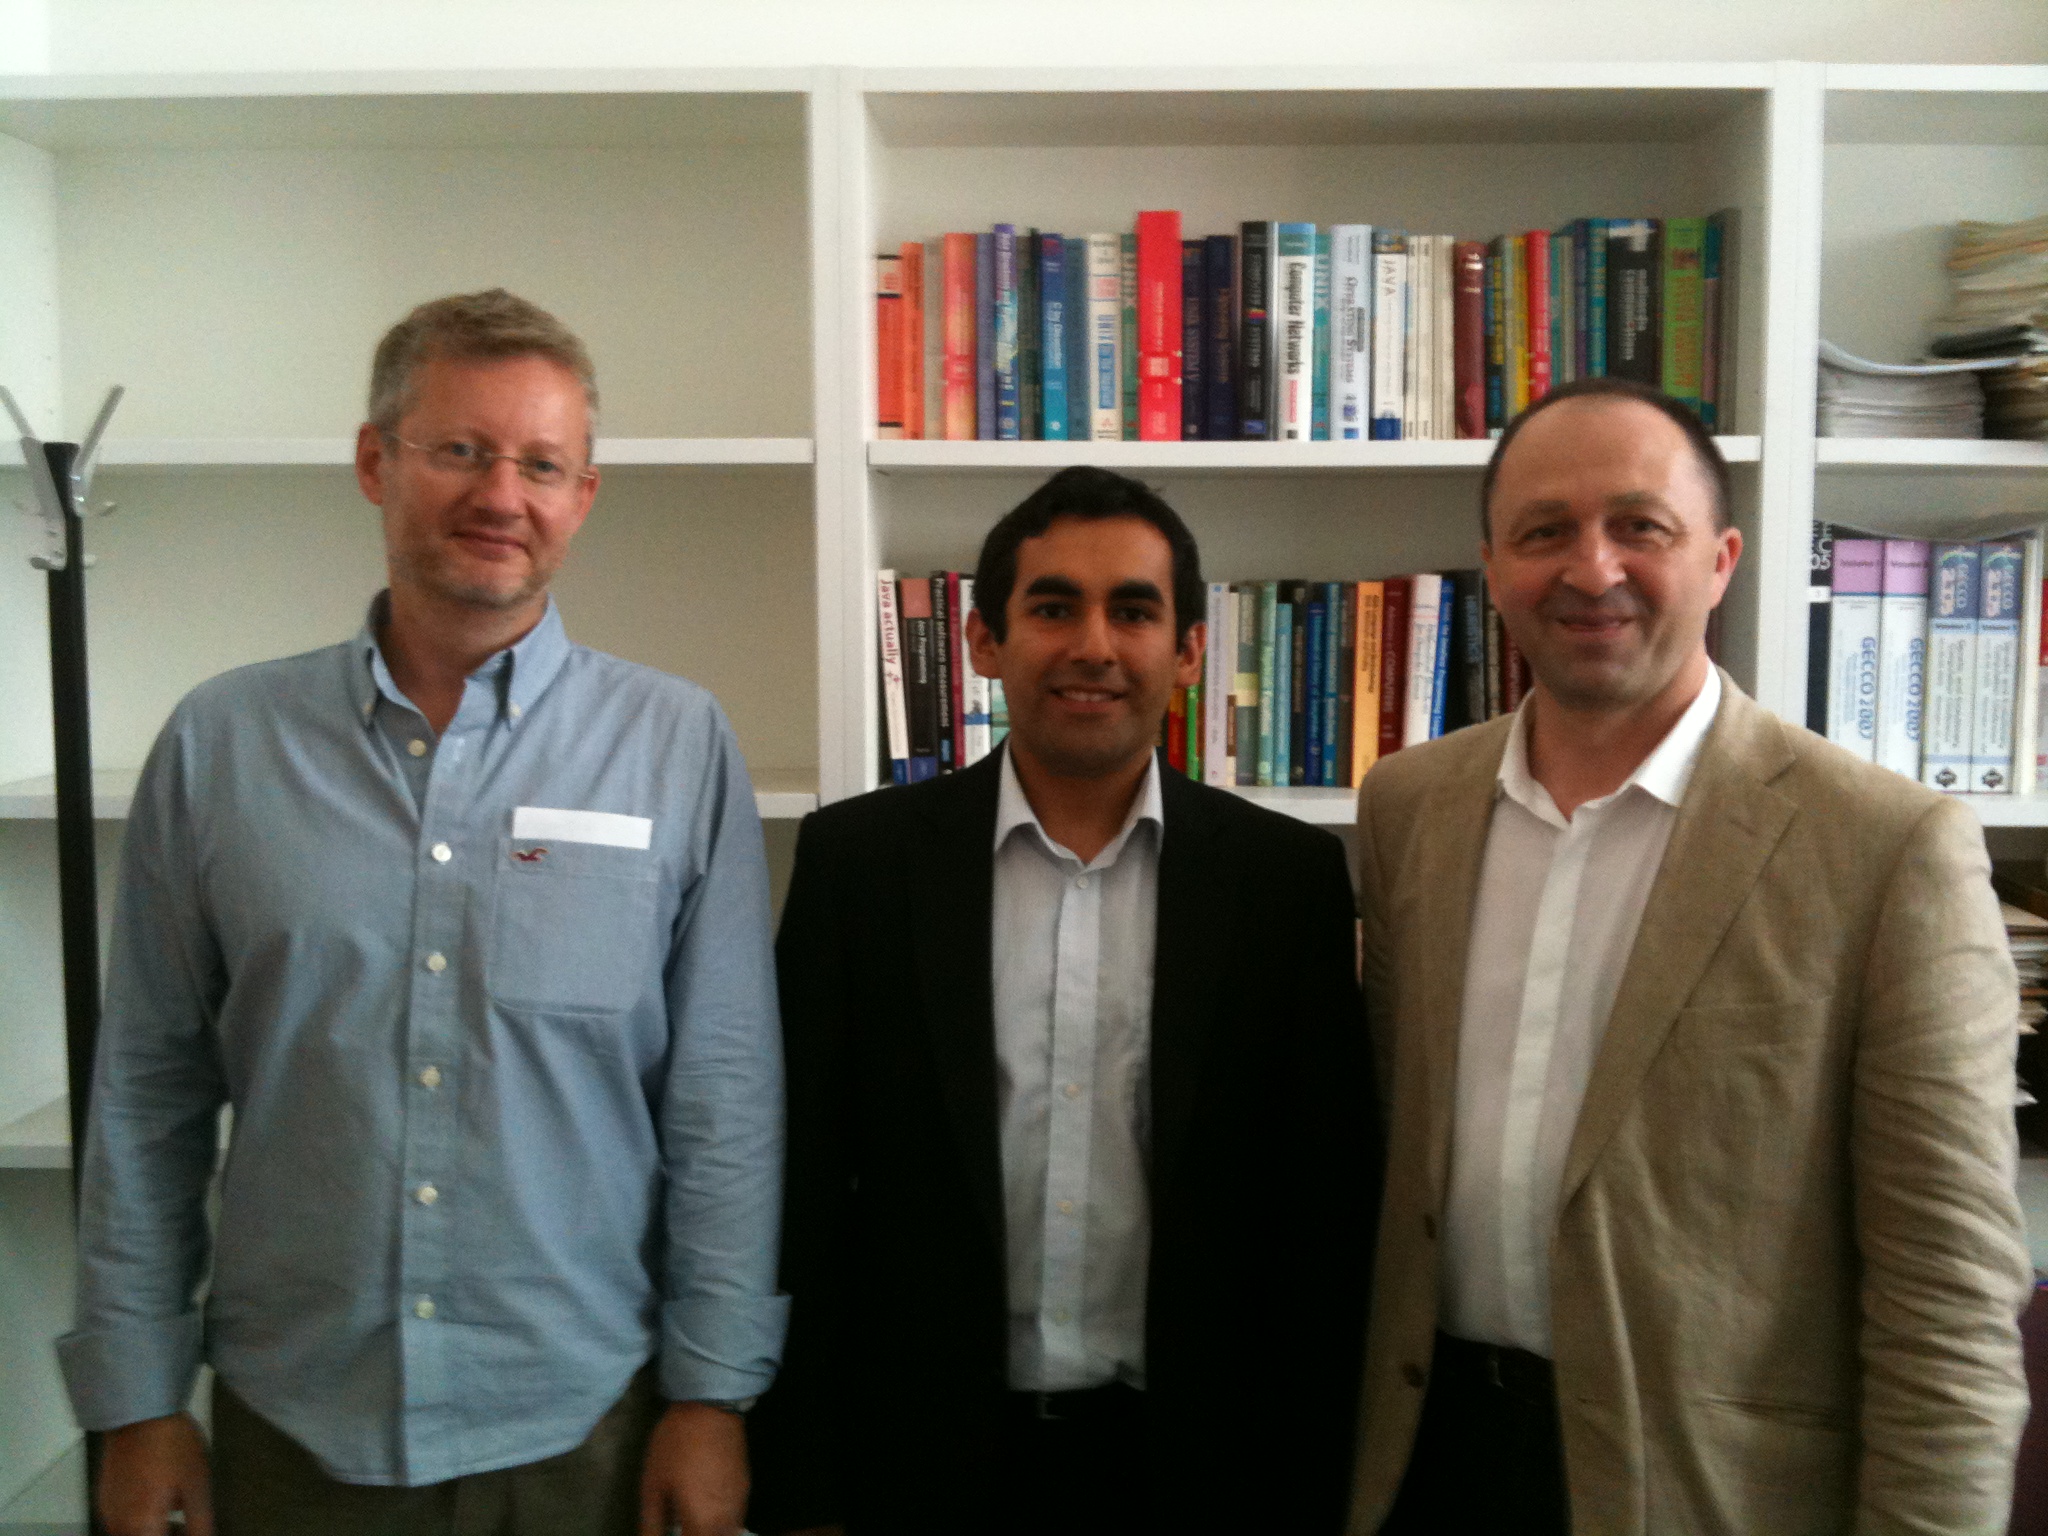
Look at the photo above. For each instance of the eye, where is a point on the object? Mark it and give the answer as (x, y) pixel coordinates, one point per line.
(1132, 613)
(543, 471)
(1051, 608)
(460, 454)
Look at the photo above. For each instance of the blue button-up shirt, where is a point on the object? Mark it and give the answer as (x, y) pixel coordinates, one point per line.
(496, 1016)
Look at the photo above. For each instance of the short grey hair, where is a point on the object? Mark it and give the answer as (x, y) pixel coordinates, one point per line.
(471, 326)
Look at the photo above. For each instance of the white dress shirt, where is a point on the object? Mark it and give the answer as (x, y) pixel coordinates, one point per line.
(1072, 958)
(1553, 922)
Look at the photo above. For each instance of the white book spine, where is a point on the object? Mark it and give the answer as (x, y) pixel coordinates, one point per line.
(1105, 337)
(1951, 692)
(1446, 337)
(2026, 731)
(1294, 335)
(1852, 673)
(1424, 613)
(1350, 331)
(1998, 657)
(897, 718)
(1389, 303)
(1901, 681)
(973, 686)
(1219, 660)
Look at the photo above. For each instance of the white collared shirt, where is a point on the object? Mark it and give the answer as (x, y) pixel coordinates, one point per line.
(1553, 923)
(1072, 971)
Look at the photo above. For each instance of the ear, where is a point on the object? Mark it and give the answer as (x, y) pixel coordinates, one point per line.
(371, 463)
(1727, 552)
(586, 493)
(983, 649)
(1187, 668)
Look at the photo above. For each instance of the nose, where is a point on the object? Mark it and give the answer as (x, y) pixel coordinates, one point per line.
(499, 487)
(1595, 565)
(1092, 638)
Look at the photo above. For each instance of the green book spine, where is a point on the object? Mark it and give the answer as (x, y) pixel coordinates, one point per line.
(1685, 245)
(1130, 336)
(1195, 732)
(1269, 615)
(1285, 619)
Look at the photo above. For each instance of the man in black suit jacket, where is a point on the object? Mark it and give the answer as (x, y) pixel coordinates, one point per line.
(1084, 1151)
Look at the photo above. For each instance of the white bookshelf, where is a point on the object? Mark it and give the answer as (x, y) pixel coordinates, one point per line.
(229, 246)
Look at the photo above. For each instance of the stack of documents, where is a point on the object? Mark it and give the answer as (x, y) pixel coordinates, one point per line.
(1859, 398)
(1998, 310)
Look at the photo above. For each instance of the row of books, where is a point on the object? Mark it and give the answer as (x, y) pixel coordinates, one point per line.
(1291, 332)
(1304, 683)
(1926, 657)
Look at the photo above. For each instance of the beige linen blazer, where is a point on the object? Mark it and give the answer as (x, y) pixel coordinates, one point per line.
(1788, 1260)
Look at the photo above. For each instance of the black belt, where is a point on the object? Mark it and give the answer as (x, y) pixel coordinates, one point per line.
(1497, 1367)
(1115, 1403)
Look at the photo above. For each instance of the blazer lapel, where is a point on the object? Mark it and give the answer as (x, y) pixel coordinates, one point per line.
(1443, 867)
(1727, 828)
(1195, 894)
(953, 879)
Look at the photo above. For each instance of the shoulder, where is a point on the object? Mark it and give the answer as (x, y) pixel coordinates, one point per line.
(1245, 825)
(1870, 807)
(961, 804)
(1397, 784)
(603, 678)
(310, 684)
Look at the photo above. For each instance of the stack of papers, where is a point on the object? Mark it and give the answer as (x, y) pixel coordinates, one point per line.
(1860, 398)
(1998, 308)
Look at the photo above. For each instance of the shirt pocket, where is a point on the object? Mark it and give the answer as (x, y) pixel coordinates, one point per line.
(574, 927)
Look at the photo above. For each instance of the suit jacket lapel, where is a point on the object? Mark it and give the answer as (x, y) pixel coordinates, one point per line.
(953, 875)
(1444, 861)
(1727, 827)
(1195, 898)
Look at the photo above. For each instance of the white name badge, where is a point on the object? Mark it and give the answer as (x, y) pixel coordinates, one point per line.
(540, 823)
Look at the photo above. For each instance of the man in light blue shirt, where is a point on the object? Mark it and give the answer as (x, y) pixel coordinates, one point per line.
(469, 925)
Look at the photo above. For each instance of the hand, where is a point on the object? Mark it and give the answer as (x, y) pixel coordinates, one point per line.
(696, 1474)
(150, 1468)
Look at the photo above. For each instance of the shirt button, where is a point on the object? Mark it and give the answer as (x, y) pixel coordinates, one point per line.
(431, 1078)
(437, 962)
(1080, 882)
(514, 711)
(1066, 1207)
(1072, 1090)
(424, 1307)
(443, 853)
(416, 747)
(1414, 1374)
(426, 1194)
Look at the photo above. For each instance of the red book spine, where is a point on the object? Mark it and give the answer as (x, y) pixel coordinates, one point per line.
(959, 338)
(1468, 323)
(913, 338)
(1514, 673)
(1537, 267)
(1177, 730)
(1159, 326)
(888, 346)
(1394, 664)
(956, 648)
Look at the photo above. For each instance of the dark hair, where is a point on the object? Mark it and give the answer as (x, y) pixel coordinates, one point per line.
(1705, 450)
(1091, 494)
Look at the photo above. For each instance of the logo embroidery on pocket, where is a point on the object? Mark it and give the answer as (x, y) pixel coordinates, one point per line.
(529, 855)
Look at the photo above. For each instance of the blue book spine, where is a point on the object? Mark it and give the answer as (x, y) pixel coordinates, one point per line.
(1219, 379)
(1582, 259)
(1283, 692)
(1334, 773)
(1710, 281)
(1315, 654)
(923, 767)
(1319, 387)
(1008, 421)
(1440, 682)
(1076, 259)
(1192, 328)
(1490, 308)
(1596, 298)
(1052, 303)
(985, 337)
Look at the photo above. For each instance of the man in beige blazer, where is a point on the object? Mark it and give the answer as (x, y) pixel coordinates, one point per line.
(1699, 1031)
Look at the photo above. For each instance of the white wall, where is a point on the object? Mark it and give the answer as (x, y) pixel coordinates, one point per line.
(174, 35)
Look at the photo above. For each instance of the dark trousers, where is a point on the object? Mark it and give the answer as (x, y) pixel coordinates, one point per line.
(267, 1484)
(1074, 1464)
(1487, 1453)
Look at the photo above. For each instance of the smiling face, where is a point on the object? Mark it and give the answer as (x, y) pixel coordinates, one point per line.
(1604, 558)
(1089, 659)
(489, 540)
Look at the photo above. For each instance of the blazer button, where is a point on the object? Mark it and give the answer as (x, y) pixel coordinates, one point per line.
(1429, 1226)
(1414, 1374)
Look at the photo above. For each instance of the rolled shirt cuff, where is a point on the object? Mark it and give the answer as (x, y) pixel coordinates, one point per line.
(126, 1372)
(721, 1348)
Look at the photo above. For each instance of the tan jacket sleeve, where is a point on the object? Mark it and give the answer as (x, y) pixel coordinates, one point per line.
(1376, 967)
(1939, 1228)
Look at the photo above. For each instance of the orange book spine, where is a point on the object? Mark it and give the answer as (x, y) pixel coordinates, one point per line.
(888, 346)
(959, 353)
(912, 256)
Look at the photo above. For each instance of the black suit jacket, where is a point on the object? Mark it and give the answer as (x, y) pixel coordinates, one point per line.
(1265, 1172)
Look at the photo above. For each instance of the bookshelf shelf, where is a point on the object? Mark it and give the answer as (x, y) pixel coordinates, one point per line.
(778, 797)
(39, 1139)
(1254, 458)
(204, 453)
(1323, 807)
(1878, 454)
(2009, 810)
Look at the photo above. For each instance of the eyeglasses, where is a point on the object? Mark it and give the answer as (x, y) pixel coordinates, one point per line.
(467, 459)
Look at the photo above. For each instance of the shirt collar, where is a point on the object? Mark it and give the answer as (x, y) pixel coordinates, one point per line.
(1013, 810)
(1663, 774)
(522, 670)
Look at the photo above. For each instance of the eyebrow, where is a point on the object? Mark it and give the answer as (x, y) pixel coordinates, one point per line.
(1052, 586)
